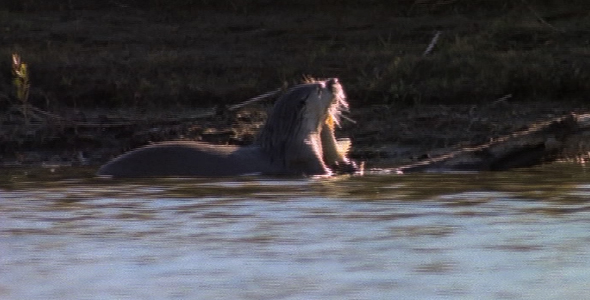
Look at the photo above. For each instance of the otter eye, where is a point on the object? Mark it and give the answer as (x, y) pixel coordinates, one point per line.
(301, 103)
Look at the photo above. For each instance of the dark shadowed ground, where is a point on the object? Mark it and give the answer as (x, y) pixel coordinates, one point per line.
(108, 77)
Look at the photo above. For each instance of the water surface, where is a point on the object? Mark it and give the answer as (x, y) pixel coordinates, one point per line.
(506, 235)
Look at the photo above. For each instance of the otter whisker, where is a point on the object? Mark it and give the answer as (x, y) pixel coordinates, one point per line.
(348, 119)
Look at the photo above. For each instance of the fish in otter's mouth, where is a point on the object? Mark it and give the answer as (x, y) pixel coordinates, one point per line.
(297, 139)
(300, 131)
(339, 104)
(335, 151)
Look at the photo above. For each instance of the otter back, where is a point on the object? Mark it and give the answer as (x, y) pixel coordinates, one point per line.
(190, 159)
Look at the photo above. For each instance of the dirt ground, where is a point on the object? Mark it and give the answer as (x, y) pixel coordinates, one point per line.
(109, 80)
(381, 135)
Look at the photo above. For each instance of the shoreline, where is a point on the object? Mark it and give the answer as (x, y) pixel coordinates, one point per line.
(130, 72)
(382, 136)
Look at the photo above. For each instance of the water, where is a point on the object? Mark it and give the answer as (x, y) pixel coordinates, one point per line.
(508, 235)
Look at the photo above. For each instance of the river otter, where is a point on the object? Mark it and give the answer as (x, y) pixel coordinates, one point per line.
(297, 139)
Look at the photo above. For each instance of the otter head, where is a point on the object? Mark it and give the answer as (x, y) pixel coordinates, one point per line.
(299, 132)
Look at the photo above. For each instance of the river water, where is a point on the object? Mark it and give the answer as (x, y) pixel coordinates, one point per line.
(522, 234)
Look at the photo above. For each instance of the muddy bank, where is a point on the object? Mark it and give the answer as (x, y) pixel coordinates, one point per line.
(111, 77)
(382, 136)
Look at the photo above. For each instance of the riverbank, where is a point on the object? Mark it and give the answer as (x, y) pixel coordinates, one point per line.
(419, 75)
(382, 135)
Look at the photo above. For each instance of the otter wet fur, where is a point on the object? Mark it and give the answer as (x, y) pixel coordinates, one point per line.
(297, 139)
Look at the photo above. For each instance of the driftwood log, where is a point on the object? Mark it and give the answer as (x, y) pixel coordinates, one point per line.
(564, 137)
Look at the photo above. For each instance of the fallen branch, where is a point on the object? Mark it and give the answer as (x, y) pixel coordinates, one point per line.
(543, 142)
(255, 99)
(432, 43)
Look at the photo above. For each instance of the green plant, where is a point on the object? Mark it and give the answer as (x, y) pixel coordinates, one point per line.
(21, 83)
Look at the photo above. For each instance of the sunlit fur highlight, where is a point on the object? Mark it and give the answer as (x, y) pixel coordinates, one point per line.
(297, 139)
(296, 116)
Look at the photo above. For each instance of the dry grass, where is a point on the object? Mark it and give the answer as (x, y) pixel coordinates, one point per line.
(127, 56)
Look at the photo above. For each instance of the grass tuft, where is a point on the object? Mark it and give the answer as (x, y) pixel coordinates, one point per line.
(21, 84)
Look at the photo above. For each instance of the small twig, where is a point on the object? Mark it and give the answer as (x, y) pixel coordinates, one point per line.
(210, 113)
(48, 114)
(254, 100)
(501, 99)
(539, 18)
(26, 112)
(432, 43)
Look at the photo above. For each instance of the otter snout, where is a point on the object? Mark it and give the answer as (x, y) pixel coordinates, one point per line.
(331, 82)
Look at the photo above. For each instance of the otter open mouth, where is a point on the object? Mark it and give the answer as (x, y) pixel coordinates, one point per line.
(298, 138)
(335, 151)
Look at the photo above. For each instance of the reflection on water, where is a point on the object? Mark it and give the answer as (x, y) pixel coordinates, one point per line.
(507, 235)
